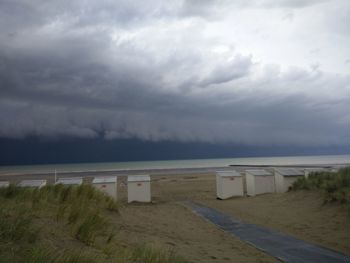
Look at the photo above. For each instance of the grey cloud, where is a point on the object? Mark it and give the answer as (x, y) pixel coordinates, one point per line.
(295, 4)
(337, 18)
(157, 115)
(258, 125)
(288, 17)
(19, 15)
(287, 3)
(229, 71)
(77, 80)
(206, 8)
(212, 9)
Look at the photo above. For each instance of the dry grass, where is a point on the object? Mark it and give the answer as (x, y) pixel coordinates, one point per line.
(66, 224)
(335, 186)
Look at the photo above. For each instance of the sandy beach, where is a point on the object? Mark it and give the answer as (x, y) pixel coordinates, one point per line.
(166, 222)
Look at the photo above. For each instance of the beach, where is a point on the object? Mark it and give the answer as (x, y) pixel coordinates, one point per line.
(168, 223)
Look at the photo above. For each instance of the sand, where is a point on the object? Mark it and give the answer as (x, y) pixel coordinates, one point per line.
(300, 214)
(167, 223)
(175, 227)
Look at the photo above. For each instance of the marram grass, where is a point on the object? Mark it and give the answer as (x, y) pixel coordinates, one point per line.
(334, 185)
(72, 224)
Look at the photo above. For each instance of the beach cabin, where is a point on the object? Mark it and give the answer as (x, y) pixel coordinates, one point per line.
(285, 177)
(139, 188)
(4, 184)
(32, 183)
(259, 182)
(228, 184)
(70, 181)
(108, 185)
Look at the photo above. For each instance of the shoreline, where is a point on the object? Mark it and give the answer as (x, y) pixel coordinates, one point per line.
(176, 166)
(156, 171)
(120, 172)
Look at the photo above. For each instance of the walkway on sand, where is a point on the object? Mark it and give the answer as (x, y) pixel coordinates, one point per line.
(277, 244)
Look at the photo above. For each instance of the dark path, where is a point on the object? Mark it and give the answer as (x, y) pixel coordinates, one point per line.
(279, 245)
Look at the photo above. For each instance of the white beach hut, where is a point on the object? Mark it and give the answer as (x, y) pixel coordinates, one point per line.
(108, 185)
(228, 184)
(285, 177)
(70, 181)
(139, 188)
(259, 182)
(32, 183)
(4, 184)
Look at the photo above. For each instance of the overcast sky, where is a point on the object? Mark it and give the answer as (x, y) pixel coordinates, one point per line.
(259, 72)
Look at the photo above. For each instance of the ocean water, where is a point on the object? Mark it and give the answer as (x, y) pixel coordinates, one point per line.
(174, 164)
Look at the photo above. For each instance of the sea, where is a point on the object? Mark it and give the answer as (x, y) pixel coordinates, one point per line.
(177, 164)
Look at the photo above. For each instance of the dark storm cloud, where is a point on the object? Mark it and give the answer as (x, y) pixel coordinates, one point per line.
(124, 70)
(19, 14)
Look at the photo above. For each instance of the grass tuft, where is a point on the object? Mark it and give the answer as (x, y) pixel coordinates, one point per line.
(58, 223)
(92, 226)
(152, 254)
(16, 225)
(335, 186)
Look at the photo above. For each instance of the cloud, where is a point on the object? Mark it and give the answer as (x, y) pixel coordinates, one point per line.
(236, 68)
(160, 71)
(286, 3)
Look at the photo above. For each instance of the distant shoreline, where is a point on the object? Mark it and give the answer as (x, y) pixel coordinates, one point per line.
(171, 167)
(331, 165)
(152, 171)
(171, 171)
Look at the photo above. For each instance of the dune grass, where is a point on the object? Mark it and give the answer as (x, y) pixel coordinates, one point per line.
(66, 224)
(152, 254)
(334, 185)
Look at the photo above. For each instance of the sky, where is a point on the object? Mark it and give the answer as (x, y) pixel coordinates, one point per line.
(253, 73)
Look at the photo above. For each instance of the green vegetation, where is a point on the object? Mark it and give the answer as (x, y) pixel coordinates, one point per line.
(335, 186)
(150, 254)
(66, 224)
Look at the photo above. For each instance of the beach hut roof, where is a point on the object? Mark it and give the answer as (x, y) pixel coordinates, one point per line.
(4, 183)
(68, 181)
(228, 173)
(289, 172)
(102, 180)
(139, 178)
(32, 183)
(258, 172)
(315, 169)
